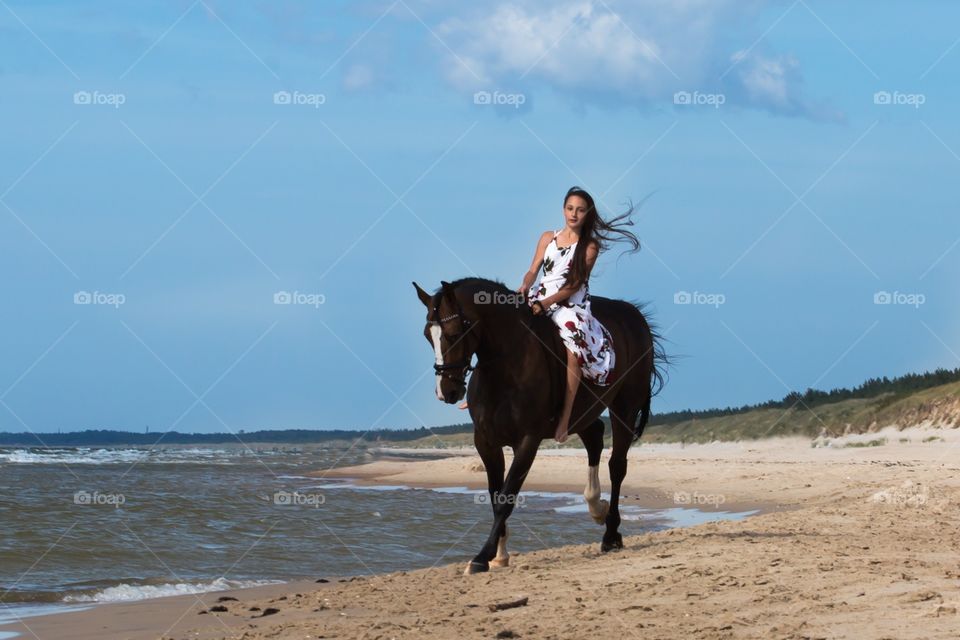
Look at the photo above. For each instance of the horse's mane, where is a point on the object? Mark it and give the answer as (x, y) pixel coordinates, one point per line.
(492, 285)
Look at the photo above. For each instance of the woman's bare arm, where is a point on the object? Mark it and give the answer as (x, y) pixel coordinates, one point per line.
(531, 275)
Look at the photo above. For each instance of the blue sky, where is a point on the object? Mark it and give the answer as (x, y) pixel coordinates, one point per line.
(149, 162)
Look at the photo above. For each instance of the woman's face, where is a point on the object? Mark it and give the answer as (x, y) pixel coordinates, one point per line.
(575, 211)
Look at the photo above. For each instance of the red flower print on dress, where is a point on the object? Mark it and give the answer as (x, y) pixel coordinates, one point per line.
(580, 331)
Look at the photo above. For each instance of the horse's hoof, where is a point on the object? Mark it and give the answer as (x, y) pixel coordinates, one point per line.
(614, 544)
(601, 517)
(500, 562)
(475, 567)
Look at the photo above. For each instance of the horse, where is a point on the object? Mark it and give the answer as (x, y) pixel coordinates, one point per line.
(516, 390)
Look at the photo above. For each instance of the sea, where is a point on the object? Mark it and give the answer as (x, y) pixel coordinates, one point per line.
(82, 526)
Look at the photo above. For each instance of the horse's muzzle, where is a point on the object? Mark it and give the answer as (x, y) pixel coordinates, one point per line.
(454, 395)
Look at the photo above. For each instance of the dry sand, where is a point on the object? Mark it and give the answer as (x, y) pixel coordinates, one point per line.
(853, 542)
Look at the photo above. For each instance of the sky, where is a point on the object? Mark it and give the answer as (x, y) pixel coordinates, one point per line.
(173, 172)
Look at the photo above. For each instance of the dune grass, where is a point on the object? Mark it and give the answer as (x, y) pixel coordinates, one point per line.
(938, 405)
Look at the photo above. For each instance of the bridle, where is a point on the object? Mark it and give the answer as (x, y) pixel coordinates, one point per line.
(463, 366)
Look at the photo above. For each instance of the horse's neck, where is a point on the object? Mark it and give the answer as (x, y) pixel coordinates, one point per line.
(507, 338)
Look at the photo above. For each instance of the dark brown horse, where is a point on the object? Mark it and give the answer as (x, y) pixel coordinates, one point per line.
(516, 392)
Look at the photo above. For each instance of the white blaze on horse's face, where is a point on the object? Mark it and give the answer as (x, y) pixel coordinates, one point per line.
(435, 333)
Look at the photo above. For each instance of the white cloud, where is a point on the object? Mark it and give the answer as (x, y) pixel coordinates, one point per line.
(775, 83)
(625, 53)
(565, 44)
(765, 79)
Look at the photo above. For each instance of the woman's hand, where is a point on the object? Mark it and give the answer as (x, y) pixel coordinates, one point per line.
(536, 307)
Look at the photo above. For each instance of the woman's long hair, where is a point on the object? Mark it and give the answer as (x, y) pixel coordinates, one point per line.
(596, 228)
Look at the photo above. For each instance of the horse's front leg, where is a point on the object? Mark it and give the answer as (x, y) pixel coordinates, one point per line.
(492, 457)
(495, 488)
(504, 501)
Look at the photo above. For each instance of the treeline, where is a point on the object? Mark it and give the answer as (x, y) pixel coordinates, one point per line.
(898, 387)
(873, 387)
(103, 437)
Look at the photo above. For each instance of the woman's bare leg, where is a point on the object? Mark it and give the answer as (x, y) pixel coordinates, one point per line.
(573, 381)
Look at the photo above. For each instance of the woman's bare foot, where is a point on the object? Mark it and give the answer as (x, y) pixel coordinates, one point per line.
(462, 405)
(561, 435)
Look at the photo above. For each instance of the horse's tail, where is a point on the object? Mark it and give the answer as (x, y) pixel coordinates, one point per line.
(643, 420)
(658, 371)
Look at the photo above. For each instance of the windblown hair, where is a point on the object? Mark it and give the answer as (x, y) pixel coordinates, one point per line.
(596, 228)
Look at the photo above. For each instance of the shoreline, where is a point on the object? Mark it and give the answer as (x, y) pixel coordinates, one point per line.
(146, 618)
(399, 470)
(851, 541)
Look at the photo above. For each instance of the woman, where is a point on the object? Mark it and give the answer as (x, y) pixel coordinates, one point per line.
(567, 256)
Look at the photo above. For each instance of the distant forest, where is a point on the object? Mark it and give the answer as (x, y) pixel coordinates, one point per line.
(898, 387)
(103, 437)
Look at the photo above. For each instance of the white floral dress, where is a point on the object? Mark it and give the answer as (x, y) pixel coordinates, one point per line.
(581, 332)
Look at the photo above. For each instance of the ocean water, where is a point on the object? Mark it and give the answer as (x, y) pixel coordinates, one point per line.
(87, 525)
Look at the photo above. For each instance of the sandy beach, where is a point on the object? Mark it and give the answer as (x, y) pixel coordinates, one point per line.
(853, 540)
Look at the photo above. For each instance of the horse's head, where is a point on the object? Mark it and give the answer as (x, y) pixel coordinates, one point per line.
(454, 339)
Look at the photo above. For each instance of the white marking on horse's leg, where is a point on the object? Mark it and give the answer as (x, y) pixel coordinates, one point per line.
(591, 493)
(435, 336)
(503, 558)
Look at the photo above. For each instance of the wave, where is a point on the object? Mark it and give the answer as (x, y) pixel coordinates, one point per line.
(129, 592)
(86, 455)
(69, 456)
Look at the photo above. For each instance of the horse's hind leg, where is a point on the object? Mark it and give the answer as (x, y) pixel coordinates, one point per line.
(622, 422)
(592, 438)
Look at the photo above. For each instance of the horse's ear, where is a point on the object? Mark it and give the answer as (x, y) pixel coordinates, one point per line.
(446, 290)
(425, 297)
